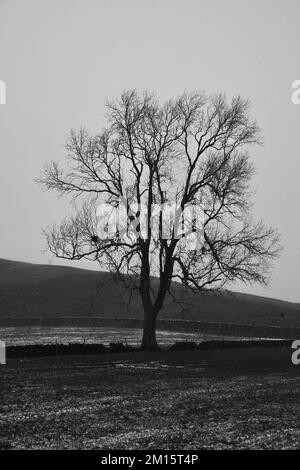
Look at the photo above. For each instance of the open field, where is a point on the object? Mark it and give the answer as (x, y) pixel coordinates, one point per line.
(242, 398)
(105, 335)
(44, 292)
(232, 399)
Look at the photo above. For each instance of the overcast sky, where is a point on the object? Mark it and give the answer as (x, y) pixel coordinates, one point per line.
(60, 59)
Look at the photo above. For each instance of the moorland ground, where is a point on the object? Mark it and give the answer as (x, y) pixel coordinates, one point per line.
(105, 335)
(232, 399)
(217, 398)
(44, 292)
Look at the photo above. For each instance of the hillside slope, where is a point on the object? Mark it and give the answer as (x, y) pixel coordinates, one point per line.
(39, 291)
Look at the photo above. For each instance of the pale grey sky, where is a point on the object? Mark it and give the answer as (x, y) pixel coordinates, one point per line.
(60, 59)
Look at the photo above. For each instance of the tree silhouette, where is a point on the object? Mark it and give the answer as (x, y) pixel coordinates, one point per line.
(190, 151)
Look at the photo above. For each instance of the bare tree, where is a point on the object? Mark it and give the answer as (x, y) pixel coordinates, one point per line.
(191, 150)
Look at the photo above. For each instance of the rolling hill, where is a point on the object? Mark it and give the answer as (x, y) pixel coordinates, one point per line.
(45, 291)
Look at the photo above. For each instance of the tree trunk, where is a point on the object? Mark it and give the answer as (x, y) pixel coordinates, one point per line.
(149, 334)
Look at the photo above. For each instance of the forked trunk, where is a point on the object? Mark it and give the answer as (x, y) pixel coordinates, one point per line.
(149, 334)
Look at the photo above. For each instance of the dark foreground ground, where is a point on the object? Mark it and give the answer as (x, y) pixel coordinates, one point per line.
(220, 399)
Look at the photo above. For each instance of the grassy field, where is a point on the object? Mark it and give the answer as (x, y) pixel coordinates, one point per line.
(243, 398)
(64, 335)
(232, 399)
(43, 292)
